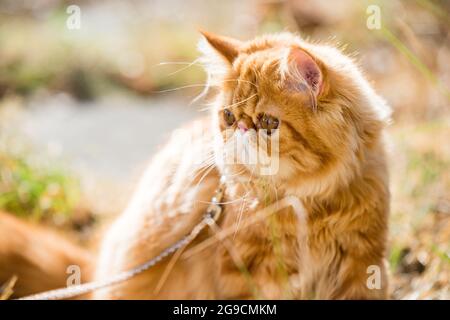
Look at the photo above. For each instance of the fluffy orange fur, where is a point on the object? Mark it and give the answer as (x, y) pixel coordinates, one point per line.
(332, 157)
(331, 153)
(38, 257)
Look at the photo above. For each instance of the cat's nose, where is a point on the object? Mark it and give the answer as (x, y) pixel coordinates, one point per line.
(242, 126)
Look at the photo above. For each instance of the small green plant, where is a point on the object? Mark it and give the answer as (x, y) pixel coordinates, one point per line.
(37, 191)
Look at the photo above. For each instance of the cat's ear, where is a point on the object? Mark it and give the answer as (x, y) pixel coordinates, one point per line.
(304, 74)
(228, 48)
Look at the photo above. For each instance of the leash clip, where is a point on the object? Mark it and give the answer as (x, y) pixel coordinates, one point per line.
(215, 208)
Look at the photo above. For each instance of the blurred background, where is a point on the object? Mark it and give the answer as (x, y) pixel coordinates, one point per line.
(83, 109)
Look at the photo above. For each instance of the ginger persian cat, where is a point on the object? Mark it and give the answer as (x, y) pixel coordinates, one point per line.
(331, 153)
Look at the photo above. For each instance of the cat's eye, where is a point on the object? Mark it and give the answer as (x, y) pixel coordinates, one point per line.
(228, 117)
(268, 123)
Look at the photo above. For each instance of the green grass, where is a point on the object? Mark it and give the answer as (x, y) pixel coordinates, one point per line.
(429, 166)
(395, 256)
(36, 191)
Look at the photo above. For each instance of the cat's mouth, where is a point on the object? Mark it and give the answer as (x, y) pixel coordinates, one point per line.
(251, 152)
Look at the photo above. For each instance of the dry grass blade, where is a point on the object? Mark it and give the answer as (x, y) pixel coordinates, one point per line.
(228, 245)
(168, 269)
(6, 290)
(289, 201)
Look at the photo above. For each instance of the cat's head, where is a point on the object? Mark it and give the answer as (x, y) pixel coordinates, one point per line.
(304, 110)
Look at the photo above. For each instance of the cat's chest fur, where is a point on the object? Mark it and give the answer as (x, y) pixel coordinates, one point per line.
(259, 259)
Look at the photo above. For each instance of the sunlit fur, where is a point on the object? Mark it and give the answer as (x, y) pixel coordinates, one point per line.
(332, 158)
(41, 259)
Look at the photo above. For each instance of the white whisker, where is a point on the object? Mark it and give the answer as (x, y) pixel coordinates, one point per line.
(182, 87)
